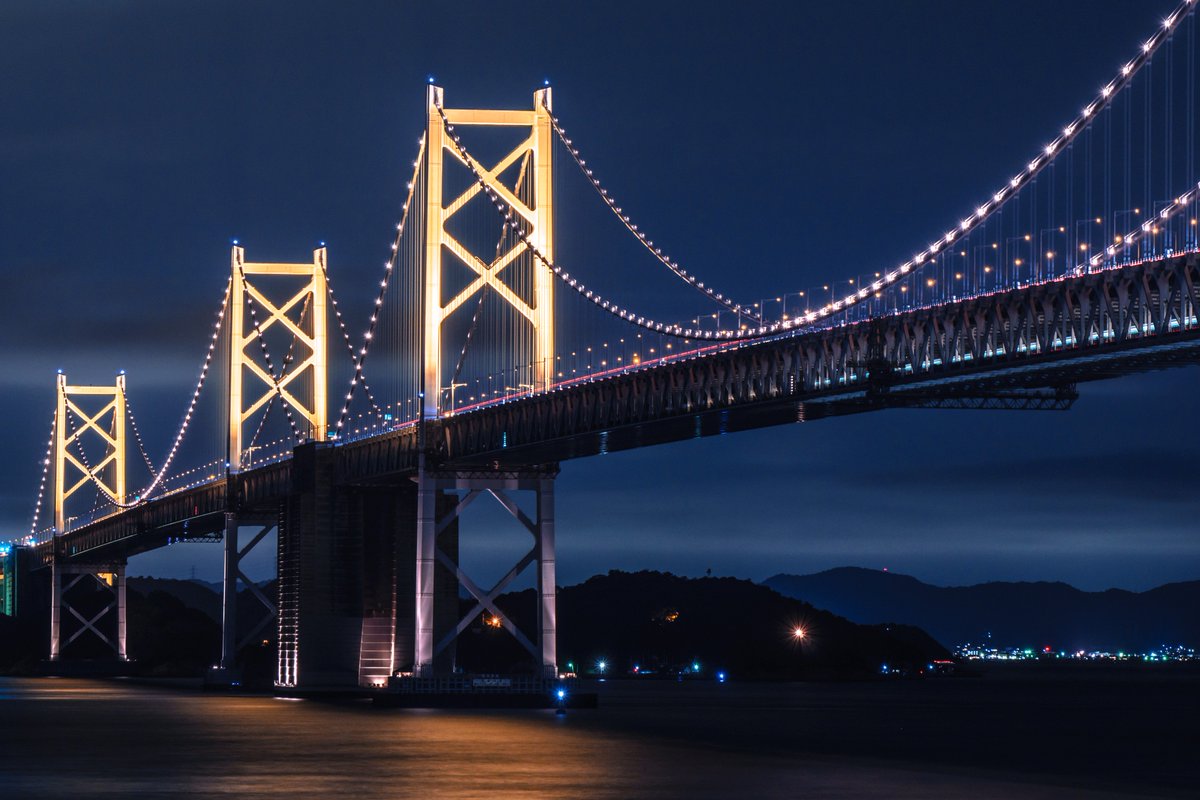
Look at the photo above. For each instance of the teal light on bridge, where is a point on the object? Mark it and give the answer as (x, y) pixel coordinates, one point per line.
(7, 573)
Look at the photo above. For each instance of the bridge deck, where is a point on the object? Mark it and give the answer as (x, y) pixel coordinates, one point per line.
(1050, 335)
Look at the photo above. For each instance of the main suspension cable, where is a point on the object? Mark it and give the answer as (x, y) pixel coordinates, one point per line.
(388, 268)
(981, 214)
(37, 506)
(144, 495)
(578, 286)
(640, 235)
(137, 435)
(349, 344)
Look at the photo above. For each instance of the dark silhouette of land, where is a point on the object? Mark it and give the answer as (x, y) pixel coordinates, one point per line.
(1016, 614)
(661, 624)
(665, 624)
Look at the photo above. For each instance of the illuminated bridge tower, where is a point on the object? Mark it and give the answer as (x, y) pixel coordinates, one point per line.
(306, 300)
(439, 242)
(443, 493)
(254, 382)
(102, 612)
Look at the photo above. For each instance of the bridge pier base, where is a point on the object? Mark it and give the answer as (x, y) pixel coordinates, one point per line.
(105, 618)
(432, 520)
(369, 574)
(344, 551)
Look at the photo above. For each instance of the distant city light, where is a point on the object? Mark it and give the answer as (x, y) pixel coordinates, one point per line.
(986, 652)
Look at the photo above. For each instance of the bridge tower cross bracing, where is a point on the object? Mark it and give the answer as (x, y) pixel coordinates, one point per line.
(244, 402)
(113, 462)
(438, 240)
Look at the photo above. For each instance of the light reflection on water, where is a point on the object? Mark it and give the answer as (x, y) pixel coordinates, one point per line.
(108, 740)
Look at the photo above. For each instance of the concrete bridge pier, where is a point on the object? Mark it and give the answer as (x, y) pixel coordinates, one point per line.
(346, 564)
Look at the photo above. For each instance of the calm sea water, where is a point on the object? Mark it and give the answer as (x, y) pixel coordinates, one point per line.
(984, 738)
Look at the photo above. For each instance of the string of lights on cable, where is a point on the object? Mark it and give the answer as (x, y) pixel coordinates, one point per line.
(973, 220)
(41, 493)
(641, 236)
(388, 267)
(146, 493)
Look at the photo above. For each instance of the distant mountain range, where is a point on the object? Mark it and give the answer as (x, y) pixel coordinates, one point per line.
(1015, 614)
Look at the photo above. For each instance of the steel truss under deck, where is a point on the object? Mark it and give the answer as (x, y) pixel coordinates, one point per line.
(64, 578)
(499, 485)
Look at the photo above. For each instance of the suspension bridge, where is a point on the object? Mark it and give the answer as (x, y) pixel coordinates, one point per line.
(485, 363)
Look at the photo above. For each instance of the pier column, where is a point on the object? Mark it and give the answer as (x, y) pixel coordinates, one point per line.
(229, 595)
(546, 589)
(55, 610)
(235, 552)
(426, 561)
(122, 627)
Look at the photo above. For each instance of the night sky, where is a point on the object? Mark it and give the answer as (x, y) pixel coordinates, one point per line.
(768, 146)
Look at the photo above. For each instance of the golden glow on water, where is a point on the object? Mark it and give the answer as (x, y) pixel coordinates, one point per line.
(115, 740)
